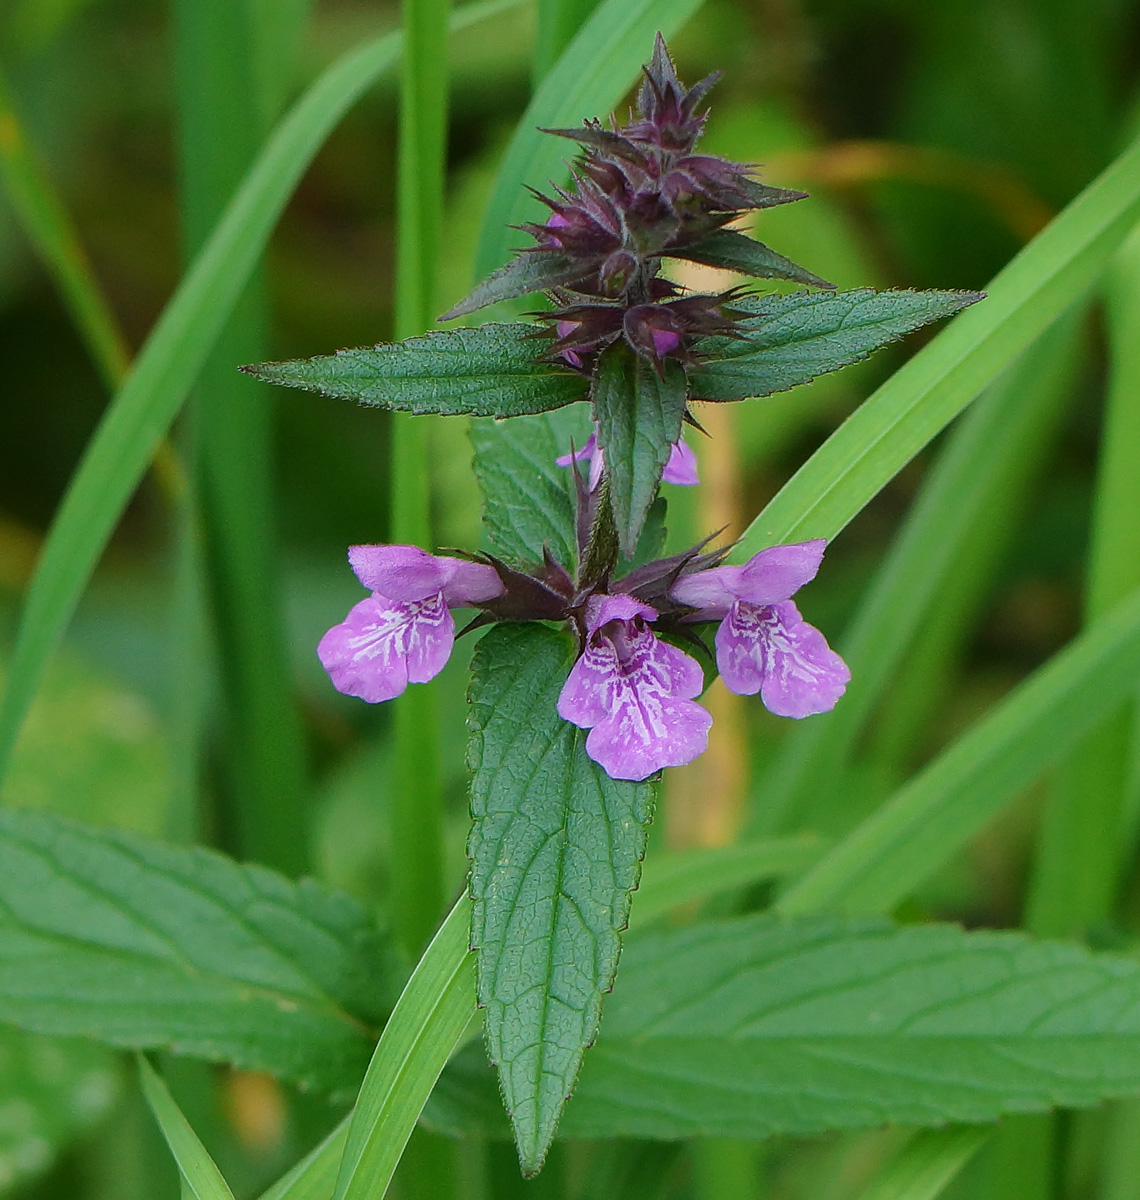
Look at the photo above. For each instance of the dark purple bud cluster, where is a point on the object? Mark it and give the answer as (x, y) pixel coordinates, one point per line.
(640, 193)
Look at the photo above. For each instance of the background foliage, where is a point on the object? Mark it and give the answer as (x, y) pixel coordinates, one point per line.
(936, 140)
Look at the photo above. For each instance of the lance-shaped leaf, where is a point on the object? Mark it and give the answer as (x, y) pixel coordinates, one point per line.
(791, 339)
(733, 251)
(491, 371)
(530, 271)
(528, 500)
(116, 938)
(555, 849)
(753, 1027)
(639, 415)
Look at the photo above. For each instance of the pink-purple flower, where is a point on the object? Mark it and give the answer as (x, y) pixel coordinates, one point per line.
(634, 693)
(403, 633)
(680, 467)
(763, 644)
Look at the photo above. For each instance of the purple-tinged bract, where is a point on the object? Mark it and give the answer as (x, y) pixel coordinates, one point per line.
(634, 692)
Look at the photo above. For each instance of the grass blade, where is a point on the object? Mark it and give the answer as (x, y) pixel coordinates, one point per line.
(51, 232)
(933, 814)
(169, 362)
(425, 1025)
(967, 503)
(921, 398)
(679, 879)
(594, 71)
(200, 1176)
(314, 1177)
(928, 1162)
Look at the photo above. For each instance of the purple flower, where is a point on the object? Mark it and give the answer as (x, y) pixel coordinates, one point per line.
(404, 631)
(634, 693)
(763, 644)
(680, 468)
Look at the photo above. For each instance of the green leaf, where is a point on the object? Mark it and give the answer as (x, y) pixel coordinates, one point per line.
(491, 371)
(113, 937)
(790, 340)
(51, 1090)
(430, 1017)
(592, 75)
(639, 415)
(200, 1175)
(556, 850)
(172, 356)
(528, 500)
(752, 1027)
(733, 251)
(528, 272)
(919, 400)
(933, 815)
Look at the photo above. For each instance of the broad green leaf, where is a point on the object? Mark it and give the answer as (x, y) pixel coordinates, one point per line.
(752, 1027)
(639, 415)
(919, 400)
(556, 850)
(169, 361)
(51, 1091)
(591, 76)
(789, 340)
(430, 1017)
(200, 1175)
(490, 371)
(113, 937)
(733, 251)
(522, 275)
(528, 500)
(927, 1163)
(932, 815)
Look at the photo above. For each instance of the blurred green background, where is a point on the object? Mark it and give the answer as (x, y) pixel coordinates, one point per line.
(935, 139)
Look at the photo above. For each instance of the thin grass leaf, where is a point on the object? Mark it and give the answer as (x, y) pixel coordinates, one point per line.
(51, 232)
(927, 1164)
(965, 508)
(314, 1177)
(675, 880)
(928, 819)
(920, 399)
(427, 1022)
(169, 362)
(590, 78)
(1086, 831)
(200, 1175)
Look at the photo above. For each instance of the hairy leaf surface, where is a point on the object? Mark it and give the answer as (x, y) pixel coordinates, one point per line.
(490, 371)
(790, 340)
(526, 273)
(752, 1027)
(528, 500)
(556, 850)
(113, 937)
(639, 415)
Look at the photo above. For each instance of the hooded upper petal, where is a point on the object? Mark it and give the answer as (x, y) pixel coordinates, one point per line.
(769, 577)
(772, 650)
(406, 573)
(681, 468)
